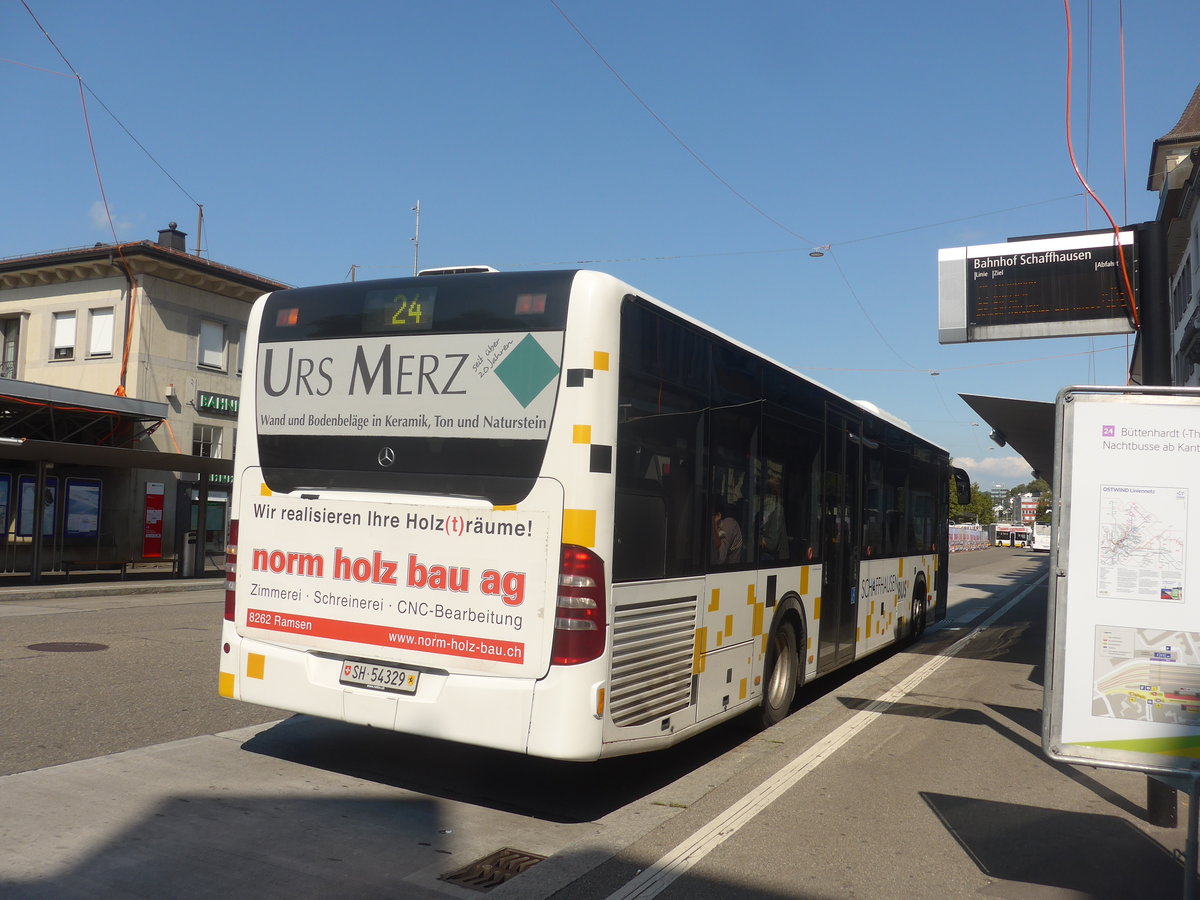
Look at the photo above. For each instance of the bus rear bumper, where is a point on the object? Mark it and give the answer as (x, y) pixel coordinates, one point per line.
(486, 711)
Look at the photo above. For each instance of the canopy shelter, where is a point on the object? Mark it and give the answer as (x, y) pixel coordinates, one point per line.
(43, 412)
(1025, 425)
(53, 426)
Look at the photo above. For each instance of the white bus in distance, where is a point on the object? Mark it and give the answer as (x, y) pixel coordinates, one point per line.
(1013, 535)
(1041, 537)
(543, 512)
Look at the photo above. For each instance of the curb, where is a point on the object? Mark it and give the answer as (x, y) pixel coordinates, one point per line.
(107, 588)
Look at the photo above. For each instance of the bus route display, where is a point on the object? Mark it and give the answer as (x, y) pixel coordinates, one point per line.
(404, 310)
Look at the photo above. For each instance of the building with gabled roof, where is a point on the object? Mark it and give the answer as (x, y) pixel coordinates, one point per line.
(1175, 175)
(132, 346)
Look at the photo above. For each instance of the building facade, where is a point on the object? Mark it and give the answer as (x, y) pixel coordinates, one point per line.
(148, 341)
(1175, 175)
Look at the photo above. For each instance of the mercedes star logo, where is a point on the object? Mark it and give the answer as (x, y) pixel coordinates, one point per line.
(386, 457)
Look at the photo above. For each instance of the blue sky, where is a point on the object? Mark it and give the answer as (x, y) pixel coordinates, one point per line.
(700, 159)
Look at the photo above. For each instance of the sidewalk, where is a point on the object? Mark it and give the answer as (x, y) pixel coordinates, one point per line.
(91, 584)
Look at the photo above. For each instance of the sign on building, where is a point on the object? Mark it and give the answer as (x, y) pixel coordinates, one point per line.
(1063, 286)
(217, 404)
(1123, 663)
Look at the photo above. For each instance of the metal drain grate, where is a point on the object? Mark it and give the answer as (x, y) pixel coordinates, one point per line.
(67, 647)
(493, 870)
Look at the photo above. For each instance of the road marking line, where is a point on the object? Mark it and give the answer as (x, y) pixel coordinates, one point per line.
(966, 619)
(651, 881)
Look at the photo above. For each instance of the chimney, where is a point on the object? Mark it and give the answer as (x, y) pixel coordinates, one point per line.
(172, 238)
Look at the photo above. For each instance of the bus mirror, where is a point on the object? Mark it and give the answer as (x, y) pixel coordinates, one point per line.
(962, 486)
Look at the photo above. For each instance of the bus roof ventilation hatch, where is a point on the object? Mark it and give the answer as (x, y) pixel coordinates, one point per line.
(457, 270)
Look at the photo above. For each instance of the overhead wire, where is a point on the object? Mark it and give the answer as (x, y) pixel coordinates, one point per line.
(120, 389)
(1124, 121)
(125, 266)
(682, 143)
(825, 248)
(141, 147)
(666, 257)
(1133, 312)
(853, 293)
(667, 128)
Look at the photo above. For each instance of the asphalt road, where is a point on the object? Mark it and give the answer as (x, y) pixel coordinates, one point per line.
(127, 671)
(915, 774)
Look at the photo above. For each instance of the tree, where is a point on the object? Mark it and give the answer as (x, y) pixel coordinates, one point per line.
(956, 508)
(1037, 486)
(981, 505)
(1045, 508)
(978, 510)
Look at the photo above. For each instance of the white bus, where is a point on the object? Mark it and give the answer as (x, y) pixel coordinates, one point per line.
(1013, 535)
(1041, 537)
(542, 512)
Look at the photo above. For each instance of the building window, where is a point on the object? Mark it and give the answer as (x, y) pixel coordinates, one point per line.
(10, 331)
(206, 441)
(64, 335)
(100, 332)
(241, 349)
(212, 345)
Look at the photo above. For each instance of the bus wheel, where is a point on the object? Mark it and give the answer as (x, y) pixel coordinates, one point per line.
(782, 673)
(917, 628)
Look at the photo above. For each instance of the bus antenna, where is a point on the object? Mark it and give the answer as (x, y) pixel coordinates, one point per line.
(416, 239)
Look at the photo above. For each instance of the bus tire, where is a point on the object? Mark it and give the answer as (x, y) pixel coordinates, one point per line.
(917, 624)
(782, 673)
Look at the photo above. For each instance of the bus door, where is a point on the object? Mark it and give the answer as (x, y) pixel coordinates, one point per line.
(841, 502)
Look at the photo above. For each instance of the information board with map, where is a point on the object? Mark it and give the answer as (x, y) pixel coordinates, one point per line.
(1123, 663)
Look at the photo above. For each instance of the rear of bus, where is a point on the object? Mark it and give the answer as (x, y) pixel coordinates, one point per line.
(398, 557)
(1041, 537)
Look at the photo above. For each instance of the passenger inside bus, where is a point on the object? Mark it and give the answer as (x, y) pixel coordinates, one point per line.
(726, 536)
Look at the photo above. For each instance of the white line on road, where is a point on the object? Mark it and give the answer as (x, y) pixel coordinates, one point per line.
(651, 881)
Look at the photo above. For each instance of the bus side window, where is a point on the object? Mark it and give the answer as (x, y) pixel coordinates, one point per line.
(663, 394)
(791, 473)
(733, 437)
(640, 548)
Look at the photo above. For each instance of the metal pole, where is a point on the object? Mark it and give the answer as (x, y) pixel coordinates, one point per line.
(39, 511)
(1154, 294)
(201, 527)
(199, 226)
(1189, 872)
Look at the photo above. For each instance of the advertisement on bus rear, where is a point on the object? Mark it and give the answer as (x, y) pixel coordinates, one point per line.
(452, 588)
(495, 385)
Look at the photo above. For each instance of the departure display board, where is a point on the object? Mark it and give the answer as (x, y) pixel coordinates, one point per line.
(1050, 287)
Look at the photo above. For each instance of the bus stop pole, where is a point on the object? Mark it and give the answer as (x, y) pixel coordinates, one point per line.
(38, 514)
(201, 526)
(1193, 835)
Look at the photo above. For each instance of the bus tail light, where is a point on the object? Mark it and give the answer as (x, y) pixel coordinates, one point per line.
(231, 570)
(580, 618)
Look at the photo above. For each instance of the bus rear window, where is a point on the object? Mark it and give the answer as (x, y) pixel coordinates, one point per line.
(442, 304)
(439, 384)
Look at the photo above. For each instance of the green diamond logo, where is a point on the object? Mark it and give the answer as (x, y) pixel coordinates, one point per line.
(527, 370)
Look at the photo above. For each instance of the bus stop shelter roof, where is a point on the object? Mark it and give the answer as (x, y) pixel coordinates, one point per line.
(44, 412)
(113, 457)
(1025, 425)
(45, 423)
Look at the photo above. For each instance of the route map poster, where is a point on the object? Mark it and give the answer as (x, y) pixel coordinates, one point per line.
(1124, 653)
